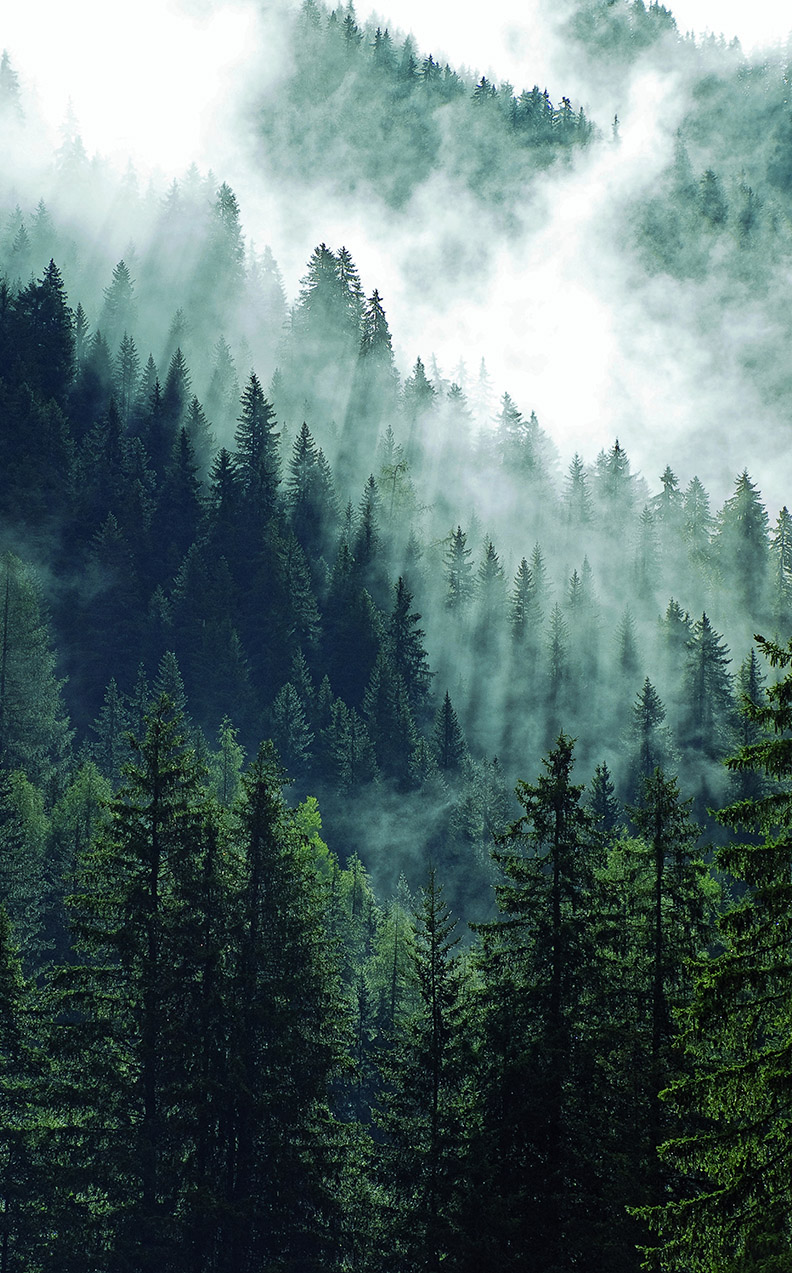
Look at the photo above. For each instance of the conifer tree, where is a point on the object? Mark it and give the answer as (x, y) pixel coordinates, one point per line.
(127, 375)
(523, 612)
(226, 765)
(708, 717)
(386, 708)
(652, 745)
(128, 1023)
(735, 1151)
(23, 836)
(533, 965)
(256, 456)
(45, 336)
(741, 543)
(34, 731)
(288, 1040)
(449, 742)
(351, 759)
(490, 600)
(291, 732)
(781, 556)
(24, 1227)
(606, 809)
(10, 101)
(577, 499)
(426, 1118)
(405, 644)
(119, 311)
(111, 748)
(459, 572)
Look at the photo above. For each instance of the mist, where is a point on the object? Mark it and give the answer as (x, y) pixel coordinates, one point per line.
(553, 284)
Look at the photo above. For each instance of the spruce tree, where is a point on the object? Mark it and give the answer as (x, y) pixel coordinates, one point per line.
(735, 1153)
(426, 1119)
(535, 989)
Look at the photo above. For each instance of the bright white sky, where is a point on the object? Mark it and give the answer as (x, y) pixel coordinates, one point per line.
(150, 81)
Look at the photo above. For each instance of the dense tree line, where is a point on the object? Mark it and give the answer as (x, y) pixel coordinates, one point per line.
(365, 111)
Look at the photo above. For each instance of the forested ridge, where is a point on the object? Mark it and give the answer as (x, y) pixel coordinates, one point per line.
(394, 814)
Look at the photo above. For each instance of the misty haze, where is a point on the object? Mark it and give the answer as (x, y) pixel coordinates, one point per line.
(396, 650)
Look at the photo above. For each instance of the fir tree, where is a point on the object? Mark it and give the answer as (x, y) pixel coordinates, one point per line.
(736, 1033)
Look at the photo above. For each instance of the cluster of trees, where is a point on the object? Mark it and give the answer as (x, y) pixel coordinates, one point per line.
(239, 577)
(224, 1051)
(363, 109)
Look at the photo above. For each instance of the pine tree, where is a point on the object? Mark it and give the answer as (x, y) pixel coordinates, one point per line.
(10, 101)
(310, 497)
(708, 691)
(202, 439)
(523, 612)
(449, 742)
(288, 1043)
(111, 748)
(291, 733)
(23, 835)
(490, 600)
(735, 1150)
(781, 557)
(24, 1229)
(741, 544)
(119, 310)
(45, 335)
(614, 487)
(577, 499)
(533, 965)
(652, 745)
(176, 393)
(256, 456)
(34, 732)
(226, 765)
(418, 399)
(679, 914)
(126, 378)
(127, 1021)
(386, 708)
(351, 759)
(459, 571)
(627, 647)
(426, 1116)
(606, 809)
(405, 644)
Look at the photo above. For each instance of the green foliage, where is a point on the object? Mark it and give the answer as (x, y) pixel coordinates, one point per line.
(734, 1208)
(33, 728)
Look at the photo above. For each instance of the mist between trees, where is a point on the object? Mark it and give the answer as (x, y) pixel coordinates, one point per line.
(242, 1025)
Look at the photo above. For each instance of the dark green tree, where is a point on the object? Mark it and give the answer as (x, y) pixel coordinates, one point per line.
(449, 742)
(426, 1120)
(734, 1151)
(709, 712)
(404, 641)
(256, 456)
(741, 544)
(534, 1208)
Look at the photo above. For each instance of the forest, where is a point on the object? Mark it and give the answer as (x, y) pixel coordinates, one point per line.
(395, 811)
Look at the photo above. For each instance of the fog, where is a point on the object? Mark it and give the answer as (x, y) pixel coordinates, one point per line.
(553, 301)
(606, 278)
